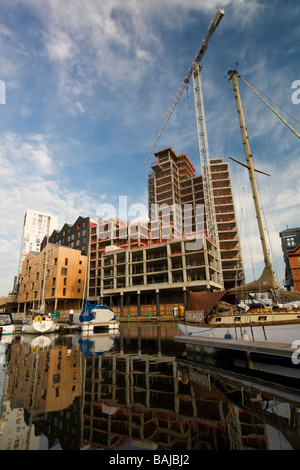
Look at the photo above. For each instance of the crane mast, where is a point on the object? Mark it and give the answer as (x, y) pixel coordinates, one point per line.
(194, 70)
(213, 26)
(211, 221)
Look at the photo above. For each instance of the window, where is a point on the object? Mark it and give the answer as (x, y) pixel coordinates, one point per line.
(66, 261)
(65, 281)
(56, 378)
(64, 291)
(55, 261)
(237, 318)
(290, 240)
(262, 318)
(64, 271)
(53, 291)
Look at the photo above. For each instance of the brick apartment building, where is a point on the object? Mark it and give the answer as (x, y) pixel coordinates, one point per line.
(290, 243)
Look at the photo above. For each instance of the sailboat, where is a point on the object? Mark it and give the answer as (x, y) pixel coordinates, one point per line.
(210, 314)
(38, 322)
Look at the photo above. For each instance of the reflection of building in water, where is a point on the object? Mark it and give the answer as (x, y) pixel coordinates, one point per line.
(46, 384)
(14, 432)
(265, 411)
(141, 397)
(139, 394)
(36, 381)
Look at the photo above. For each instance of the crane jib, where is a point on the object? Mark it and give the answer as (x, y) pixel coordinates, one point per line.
(214, 24)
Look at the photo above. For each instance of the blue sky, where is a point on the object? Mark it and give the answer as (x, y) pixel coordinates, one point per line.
(88, 85)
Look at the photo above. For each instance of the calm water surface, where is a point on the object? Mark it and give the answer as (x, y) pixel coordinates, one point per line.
(140, 389)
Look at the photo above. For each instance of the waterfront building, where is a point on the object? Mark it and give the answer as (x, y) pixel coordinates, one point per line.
(290, 244)
(55, 277)
(294, 261)
(148, 276)
(74, 236)
(36, 225)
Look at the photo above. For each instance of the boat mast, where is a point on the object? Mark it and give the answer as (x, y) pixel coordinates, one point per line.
(251, 171)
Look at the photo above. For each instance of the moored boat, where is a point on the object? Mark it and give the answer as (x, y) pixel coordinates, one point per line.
(216, 318)
(97, 317)
(40, 324)
(7, 326)
(206, 316)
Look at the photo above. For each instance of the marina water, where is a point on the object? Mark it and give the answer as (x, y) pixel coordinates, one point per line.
(139, 389)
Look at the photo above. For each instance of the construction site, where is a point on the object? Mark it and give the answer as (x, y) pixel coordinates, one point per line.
(182, 248)
(150, 271)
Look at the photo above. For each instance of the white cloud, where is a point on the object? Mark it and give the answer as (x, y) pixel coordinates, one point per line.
(28, 181)
(17, 155)
(60, 46)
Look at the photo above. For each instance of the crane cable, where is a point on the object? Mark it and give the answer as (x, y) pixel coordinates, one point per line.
(269, 106)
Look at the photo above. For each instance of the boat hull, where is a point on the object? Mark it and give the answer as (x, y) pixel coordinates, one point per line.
(286, 333)
(40, 327)
(7, 326)
(7, 329)
(98, 326)
(97, 318)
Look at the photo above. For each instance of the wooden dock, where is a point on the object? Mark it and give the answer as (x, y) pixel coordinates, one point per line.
(257, 347)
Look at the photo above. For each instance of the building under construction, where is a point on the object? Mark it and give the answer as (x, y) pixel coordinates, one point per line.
(174, 181)
(148, 268)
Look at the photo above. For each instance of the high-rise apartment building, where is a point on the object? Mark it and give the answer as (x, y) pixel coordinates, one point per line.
(36, 225)
(174, 181)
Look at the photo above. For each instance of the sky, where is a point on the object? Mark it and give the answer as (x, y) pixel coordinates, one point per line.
(87, 86)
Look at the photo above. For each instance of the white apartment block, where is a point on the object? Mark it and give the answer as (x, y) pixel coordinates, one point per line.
(36, 225)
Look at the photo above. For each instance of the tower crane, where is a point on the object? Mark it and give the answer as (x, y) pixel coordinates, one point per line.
(194, 70)
(213, 26)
